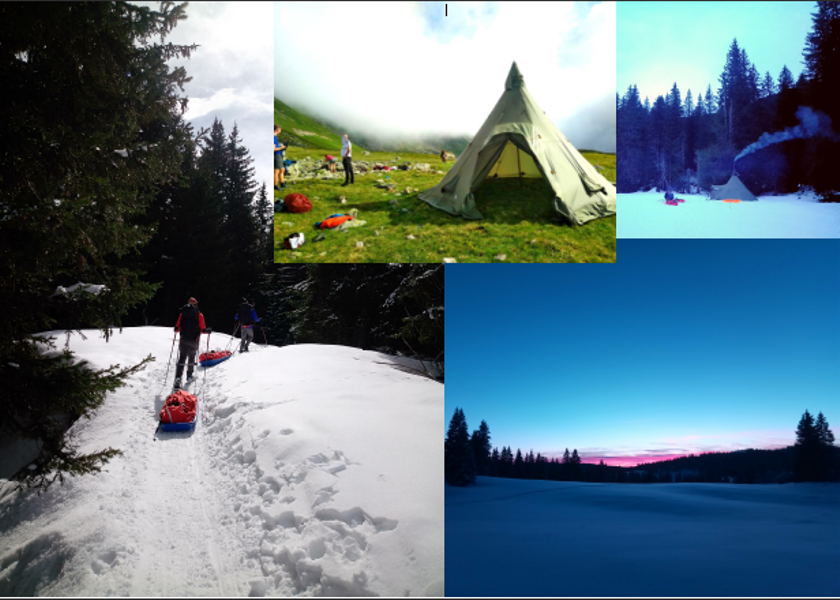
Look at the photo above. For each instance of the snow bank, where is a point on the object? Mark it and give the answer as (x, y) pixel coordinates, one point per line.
(645, 215)
(539, 538)
(314, 470)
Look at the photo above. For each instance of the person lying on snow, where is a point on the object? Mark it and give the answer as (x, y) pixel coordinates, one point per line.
(246, 316)
(191, 325)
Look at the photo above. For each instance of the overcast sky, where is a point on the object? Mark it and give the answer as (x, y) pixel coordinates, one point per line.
(660, 43)
(407, 68)
(232, 71)
(681, 347)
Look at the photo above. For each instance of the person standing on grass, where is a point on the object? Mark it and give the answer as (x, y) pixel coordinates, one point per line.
(279, 156)
(191, 325)
(347, 160)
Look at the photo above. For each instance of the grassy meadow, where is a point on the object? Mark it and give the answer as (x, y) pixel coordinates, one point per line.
(518, 223)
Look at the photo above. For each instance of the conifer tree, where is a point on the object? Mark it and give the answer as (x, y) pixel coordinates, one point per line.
(822, 58)
(480, 441)
(459, 466)
(518, 465)
(826, 457)
(785, 79)
(91, 127)
(807, 449)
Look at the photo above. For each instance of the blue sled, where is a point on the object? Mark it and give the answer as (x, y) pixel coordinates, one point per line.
(215, 361)
(181, 426)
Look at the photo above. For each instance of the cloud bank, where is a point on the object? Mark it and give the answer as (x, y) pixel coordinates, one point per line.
(403, 69)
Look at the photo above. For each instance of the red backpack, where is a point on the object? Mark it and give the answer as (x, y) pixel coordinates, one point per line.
(179, 408)
(297, 203)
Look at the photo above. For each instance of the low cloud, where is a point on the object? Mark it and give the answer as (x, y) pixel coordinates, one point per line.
(403, 70)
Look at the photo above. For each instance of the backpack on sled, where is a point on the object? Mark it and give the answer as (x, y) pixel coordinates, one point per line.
(179, 413)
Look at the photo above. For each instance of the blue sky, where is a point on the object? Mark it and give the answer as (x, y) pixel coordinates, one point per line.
(408, 68)
(661, 43)
(680, 347)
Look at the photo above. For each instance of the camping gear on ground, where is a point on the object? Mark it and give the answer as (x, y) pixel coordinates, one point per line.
(333, 221)
(734, 189)
(294, 241)
(297, 203)
(208, 359)
(179, 413)
(279, 206)
(519, 140)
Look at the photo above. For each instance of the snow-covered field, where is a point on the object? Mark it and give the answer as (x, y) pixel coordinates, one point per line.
(645, 215)
(538, 538)
(313, 470)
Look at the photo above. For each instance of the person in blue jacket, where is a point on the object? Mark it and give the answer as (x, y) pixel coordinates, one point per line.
(279, 157)
(246, 316)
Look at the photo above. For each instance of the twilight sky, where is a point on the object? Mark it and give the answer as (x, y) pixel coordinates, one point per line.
(232, 71)
(680, 347)
(660, 43)
(405, 68)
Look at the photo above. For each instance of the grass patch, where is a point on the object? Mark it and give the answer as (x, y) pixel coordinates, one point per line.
(518, 223)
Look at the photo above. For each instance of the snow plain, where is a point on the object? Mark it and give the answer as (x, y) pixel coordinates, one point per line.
(509, 537)
(645, 215)
(313, 470)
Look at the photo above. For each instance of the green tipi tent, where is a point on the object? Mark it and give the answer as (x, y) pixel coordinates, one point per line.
(734, 189)
(519, 140)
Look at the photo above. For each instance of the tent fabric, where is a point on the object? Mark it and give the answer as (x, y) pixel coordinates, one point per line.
(734, 189)
(519, 140)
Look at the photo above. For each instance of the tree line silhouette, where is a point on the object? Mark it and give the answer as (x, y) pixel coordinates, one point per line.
(682, 144)
(812, 458)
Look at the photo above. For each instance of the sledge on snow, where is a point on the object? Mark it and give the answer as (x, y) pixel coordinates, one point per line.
(179, 412)
(208, 359)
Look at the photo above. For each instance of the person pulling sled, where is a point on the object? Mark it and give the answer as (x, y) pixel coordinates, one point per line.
(246, 316)
(191, 325)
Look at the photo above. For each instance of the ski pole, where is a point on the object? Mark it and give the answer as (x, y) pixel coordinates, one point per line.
(264, 338)
(170, 357)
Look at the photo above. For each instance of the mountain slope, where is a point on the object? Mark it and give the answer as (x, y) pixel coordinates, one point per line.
(303, 131)
(307, 132)
(313, 470)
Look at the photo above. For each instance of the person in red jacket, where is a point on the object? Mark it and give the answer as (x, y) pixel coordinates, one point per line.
(191, 325)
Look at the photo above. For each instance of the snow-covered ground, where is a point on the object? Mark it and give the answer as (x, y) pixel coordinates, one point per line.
(313, 470)
(538, 538)
(645, 215)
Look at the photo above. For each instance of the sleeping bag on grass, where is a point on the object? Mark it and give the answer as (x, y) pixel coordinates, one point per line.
(180, 407)
(333, 221)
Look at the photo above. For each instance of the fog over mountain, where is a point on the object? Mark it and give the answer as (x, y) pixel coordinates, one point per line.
(407, 70)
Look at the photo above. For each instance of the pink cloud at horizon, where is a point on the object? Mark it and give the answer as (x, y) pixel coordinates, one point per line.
(632, 460)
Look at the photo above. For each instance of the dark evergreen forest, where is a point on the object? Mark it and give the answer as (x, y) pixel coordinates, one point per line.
(106, 185)
(775, 133)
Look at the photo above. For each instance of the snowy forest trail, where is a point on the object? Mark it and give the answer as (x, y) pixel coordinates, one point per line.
(284, 486)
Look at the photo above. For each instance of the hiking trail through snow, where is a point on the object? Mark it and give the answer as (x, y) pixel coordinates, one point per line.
(259, 499)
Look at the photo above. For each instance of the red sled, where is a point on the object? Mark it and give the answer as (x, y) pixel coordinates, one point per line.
(208, 359)
(179, 413)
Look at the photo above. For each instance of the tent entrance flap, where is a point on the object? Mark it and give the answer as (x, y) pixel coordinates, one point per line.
(514, 162)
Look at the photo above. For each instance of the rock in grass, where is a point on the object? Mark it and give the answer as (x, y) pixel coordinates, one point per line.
(500, 256)
(449, 260)
(365, 153)
(288, 224)
(410, 237)
(360, 244)
(342, 199)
